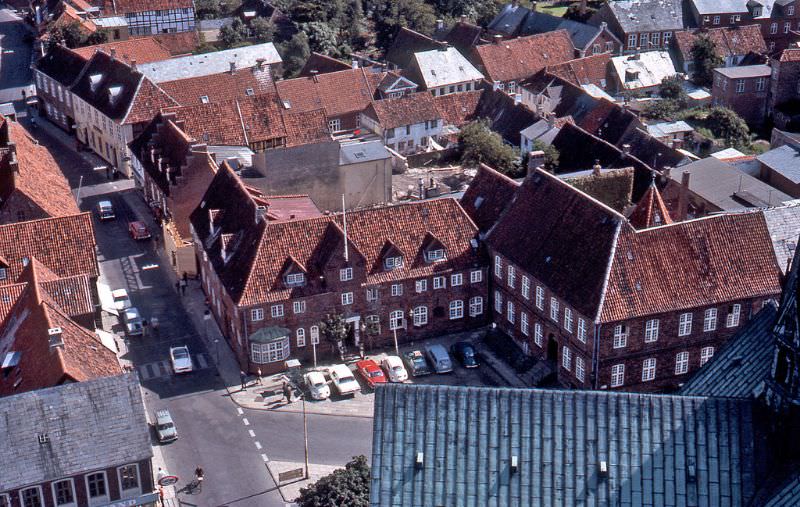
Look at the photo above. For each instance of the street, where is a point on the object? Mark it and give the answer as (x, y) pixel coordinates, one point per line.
(15, 57)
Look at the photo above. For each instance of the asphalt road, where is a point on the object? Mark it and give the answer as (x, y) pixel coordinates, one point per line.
(15, 57)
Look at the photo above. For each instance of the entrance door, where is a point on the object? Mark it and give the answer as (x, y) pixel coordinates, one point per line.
(552, 348)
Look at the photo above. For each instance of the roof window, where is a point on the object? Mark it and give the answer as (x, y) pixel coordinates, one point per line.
(204, 99)
(94, 81)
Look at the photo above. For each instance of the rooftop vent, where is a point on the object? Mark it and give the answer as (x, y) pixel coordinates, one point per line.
(514, 464)
(43, 438)
(54, 337)
(603, 469)
(419, 461)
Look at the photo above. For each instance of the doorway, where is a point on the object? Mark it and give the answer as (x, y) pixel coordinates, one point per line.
(552, 348)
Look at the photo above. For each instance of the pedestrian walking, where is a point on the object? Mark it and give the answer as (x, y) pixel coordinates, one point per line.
(108, 173)
(185, 276)
(258, 379)
(243, 378)
(287, 392)
(198, 479)
(183, 287)
(145, 326)
(178, 287)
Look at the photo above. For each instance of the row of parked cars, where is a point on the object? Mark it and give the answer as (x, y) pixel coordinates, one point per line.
(391, 369)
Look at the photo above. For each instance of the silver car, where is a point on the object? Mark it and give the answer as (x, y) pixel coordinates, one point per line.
(439, 358)
(133, 321)
(165, 427)
(181, 359)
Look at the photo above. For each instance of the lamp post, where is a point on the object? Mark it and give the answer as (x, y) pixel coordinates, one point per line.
(314, 350)
(305, 432)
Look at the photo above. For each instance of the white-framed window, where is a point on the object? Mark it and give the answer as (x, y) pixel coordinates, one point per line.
(609, 47)
(97, 487)
(420, 315)
(299, 307)
(739, 85)
(476, 276)
(787, 26)
(373, 324)
(272, 352)
(706, 353)
(498, 266)
(510, 315)
(314, 332)
(301, 337)
(582, 329)
(345, 274)
(540, 297)
(538, 334)
(710, 320)
(347, 298)
(31, 497)
(295, 279)
(393, 262)
(335, 125)
(456, 309)
(655, 39)
(372, 294)
(498, 301)
(568, 319)
(580, 368)
(732, 319)
(596, 49)
(644, 40)
(395, 320)
(651, 331)
(439, 282)
(397, 289)
(63, 494)
(524, 325)
(257, 314)
(525, 287)
(475, 306)
(554, 309)
(631, 41)
(790, 10)
(421, 285)
(512, 276)
(685, 324)
(566, 358)
(761, 83)
(617, 375)
(681, 363)
(456, 279)
(706, 19)
(435, 255)
(620, 336)
(649, 369)
(129, 480)
(773, 28)
(716, 20)
(276, 311)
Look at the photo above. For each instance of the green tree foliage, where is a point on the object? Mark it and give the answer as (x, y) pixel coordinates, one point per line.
(661, 109)
(262, 30)
(480, 144)
(207, 9)
(70, 33)
(389, 15)
(346, 486)
(334, 329)
(551, 155)
(233, 34)
(322, 37)
(704, 54)
(294, 53)
(671, 88)
(729, 126)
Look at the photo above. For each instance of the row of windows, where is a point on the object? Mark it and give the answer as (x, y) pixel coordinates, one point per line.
(64, 495)
(649, 366)
(761, 84)
(166, 12)
(649, 40)
(652, 326)
(429, 124)
(566, 363)
(735, 18)
(346, 274)
(445, 90)
(787, 26)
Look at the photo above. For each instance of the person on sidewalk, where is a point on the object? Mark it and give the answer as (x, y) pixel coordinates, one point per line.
(178, 287)
(258, 379)
(183, 287)
(287, 392)
(243, 378)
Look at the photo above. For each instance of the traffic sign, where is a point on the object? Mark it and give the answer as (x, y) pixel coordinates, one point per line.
(168, 480)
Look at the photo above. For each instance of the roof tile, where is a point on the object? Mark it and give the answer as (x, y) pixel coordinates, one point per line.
(512, 60)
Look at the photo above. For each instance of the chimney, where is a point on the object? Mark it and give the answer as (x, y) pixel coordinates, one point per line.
(440, 24)
(596, 168)
(603, 25)
(535, 160)
(261, 212)
(233, 67)
(260, 63)
(683, 197)
(314, 72)
(54, 337)
(463, 18)
(496, 86)
(665, 171)
(497, 39)
(354, 63)
(626, 149)
(133, 64)
(421, 184)
(113, 54)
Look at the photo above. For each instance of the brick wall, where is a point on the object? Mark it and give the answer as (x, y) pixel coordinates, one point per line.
(750, 104)
(784, 83)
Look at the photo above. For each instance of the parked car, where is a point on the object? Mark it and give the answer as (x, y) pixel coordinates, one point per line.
(138, 230)
(121, 299)
(439, 358)
(343, 379)
(181, 359)
(317, 385)
(165, 427)
(133, 321)
(416, 363)
(371, 372)
(465, 353)
(393, 366)
(105, 210)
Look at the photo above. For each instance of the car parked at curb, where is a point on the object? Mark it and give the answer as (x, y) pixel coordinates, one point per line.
(416, 363)
(138, 230)
(317, 385)
(393, 366)
(439, 358)
(466, 354)
(181, 359)
(343, 379)
(121, 299)
(370, 372)
(165, 426)
(133, 321)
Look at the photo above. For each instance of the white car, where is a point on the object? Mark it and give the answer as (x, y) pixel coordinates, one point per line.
(343, 379)
(317, 385)
(394, 369)
(180, 358)
(133, 321)
(121, 299)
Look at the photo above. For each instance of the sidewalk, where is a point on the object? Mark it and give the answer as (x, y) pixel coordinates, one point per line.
(65, 139)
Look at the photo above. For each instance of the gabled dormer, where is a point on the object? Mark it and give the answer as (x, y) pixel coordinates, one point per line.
(391, 256)
(293, 274)
(433, 249)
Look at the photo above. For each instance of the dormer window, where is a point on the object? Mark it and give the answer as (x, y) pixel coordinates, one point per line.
(94, 81)
(393, 262)
(3, 274)
(295, 279)
(435, 255)
(113, 93)
(204, 99)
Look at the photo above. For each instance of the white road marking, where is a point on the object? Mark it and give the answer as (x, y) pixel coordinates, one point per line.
(264, 457)
(158, 369)
(252, 433)
(240, 411)
(258, 445)
(246, 422)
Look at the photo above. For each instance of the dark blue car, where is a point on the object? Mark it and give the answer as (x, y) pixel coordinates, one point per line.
(465, 353)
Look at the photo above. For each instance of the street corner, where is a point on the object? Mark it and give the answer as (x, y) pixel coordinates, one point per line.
(288, 470)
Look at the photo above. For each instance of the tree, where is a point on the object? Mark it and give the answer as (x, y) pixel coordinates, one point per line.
(233, 34)
(334, 329)
(671, 88)
(95, 38)
(390, 15)
(551, 155)
(321, 37)
(70, 34)
(262, 30)
(346, 486)
(662, 109)
(706, 59)
(479, 144)
(726, 124)
(294, 53)
(207, 9)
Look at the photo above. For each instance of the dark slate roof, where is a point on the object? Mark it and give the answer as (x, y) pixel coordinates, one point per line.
(509, 19)
(737, 370)
(649, 15)
(787, 495)
(506, 117)
(61, 64)
(468, 436)
(487, 196)
(91, 425)
(406, 43)
(322, 64)
(581, 34)
(463, 36)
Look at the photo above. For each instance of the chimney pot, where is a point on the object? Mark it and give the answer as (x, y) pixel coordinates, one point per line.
(133, 64)
(354, 63)
(497, 38)
(683, 197)
(113, 53)
(233, 67)
(597, 168)
(626, 149)
(440, 24)
(496, 86)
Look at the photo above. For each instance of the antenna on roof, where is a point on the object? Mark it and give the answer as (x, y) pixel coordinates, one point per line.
(344, 220)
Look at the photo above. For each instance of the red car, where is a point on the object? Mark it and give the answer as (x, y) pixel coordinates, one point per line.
(371, 372)
(138, 230)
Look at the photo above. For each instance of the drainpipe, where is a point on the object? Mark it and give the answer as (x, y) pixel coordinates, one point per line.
(595, 356)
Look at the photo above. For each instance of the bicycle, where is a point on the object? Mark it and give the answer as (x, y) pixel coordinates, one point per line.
(196, 486)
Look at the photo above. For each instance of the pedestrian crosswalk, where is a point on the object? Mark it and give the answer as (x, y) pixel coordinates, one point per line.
(158, 369)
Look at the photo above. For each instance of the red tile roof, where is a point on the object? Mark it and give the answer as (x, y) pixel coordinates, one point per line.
(588, 70)
(790, 55)
(220, 87)
(144, 50)
(66, 245)
(699, 263)
(458, 108)
(650, 211)
(487, 196)
(515, 59)
(322, 64)
(729, 41)
(149, 100)
(337, 93)
(410, 109)
(180, 43)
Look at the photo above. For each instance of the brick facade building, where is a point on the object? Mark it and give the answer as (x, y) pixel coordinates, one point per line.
(413, 269)
(784, 98)
(613, 306)
(744, 90)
